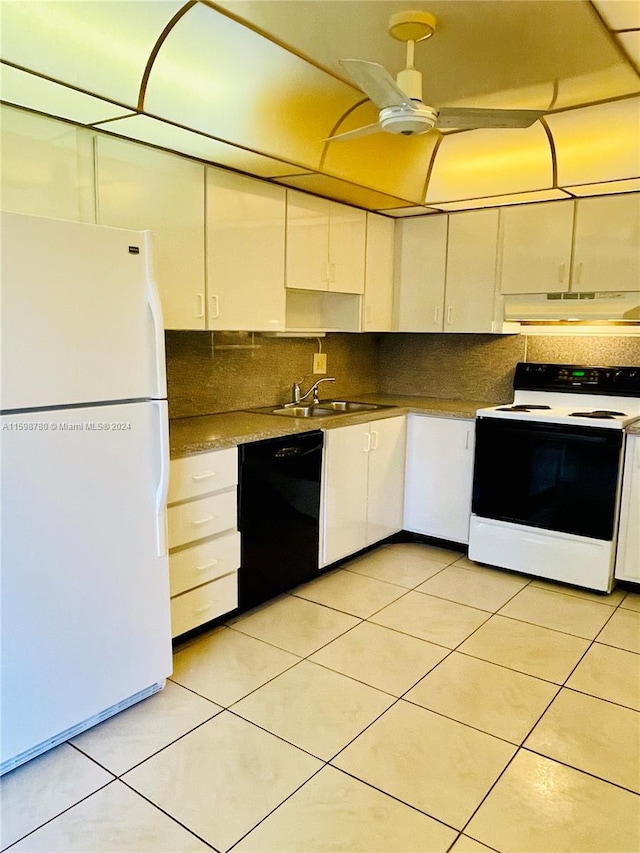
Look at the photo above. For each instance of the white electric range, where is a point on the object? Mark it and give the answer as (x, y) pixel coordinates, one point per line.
(548, 471)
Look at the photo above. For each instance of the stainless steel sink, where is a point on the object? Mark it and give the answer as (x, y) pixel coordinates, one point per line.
(323, 409)
(300, 411)
(349, 406)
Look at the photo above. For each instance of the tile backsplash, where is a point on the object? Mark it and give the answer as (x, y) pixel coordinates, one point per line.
(588, 350)
(473, 367)
(209, 372)
(212, 372)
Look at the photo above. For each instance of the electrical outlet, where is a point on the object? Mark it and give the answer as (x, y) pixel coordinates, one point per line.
(320, 362)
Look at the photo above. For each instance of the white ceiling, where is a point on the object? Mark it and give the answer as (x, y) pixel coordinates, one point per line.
(255, 85)
(501, 48)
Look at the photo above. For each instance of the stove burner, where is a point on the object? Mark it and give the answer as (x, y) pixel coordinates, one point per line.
(598, 413)
(522, 407)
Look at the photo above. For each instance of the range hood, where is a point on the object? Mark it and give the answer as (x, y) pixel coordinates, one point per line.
(556, 307)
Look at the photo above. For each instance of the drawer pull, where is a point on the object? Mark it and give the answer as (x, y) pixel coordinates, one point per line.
(204, 520)
(204, 476)
(204, 608)
(207, 566)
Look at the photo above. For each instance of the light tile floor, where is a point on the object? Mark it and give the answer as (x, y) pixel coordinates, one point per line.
(410, 701)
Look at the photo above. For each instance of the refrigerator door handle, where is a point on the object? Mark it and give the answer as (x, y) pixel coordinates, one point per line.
(153, 299)
(163, 479)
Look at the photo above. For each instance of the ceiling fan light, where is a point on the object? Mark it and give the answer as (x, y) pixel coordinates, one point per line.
(401, 120)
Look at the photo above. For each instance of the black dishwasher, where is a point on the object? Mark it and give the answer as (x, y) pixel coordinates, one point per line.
(279, 513)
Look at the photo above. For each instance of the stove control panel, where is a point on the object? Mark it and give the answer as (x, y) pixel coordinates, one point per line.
(578, 379)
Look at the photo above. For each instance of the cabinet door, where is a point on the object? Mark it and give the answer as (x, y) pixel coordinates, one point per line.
(245, 252)
(628, 555)
(347, 239)
(377, 315)
(385, 492)
(420, 265)
(607, 244)
(439, 477)
(345, 471)
(307, 264)
(141, 188)
(535, 247)
(47, 167)
(471, 272)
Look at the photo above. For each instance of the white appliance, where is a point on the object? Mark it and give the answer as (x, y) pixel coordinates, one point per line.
(84, 447)
(548, 470)
(623, 306)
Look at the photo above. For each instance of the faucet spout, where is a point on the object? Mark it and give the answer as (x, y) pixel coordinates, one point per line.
(313, 391)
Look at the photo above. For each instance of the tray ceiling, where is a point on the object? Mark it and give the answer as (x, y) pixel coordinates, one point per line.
(255, 85)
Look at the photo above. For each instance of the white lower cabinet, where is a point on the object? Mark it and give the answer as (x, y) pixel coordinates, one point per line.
(204, 543)
(363, 486)
(439, 477)
(628, 554)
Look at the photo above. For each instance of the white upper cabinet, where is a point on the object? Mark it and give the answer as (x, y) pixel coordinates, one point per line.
(471, 272)
(47, 167)
(535, 247)
(607, 244)
(307, 242)
(141, 188)
(445, 272)
(589, 245)
(245, 252)
(347, 241)
(377, 313)
(325, 244)
(420, 270)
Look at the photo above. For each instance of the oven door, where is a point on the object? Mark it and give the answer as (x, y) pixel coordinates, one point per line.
(552, 477)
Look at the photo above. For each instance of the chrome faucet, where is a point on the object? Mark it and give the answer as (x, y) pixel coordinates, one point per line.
(300, 398)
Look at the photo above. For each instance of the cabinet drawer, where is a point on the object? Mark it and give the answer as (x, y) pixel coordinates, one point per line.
(203, 604)
(202, 473)
(204, 562)
(204, 517)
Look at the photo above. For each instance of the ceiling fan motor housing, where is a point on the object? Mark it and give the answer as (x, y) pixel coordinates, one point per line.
(408, 122)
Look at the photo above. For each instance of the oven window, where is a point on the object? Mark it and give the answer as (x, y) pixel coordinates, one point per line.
(552, 477)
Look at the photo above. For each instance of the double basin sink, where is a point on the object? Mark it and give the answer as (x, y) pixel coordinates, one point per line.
(323, 409)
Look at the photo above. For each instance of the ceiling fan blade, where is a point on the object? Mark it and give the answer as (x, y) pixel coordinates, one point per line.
(468, 118)
(376, 82)
(366, 130)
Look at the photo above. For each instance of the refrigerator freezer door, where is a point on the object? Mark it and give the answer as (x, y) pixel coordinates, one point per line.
(85, 595)
(80, 314)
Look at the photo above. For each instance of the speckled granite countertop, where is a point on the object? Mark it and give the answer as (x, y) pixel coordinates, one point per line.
(228, 429)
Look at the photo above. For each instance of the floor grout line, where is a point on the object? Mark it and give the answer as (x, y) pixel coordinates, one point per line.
(218, 707)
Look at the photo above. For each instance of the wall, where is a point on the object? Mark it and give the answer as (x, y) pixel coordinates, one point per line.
(587, 350)
(474, 367)
(480, 367)
(210, 372)
(218, 372)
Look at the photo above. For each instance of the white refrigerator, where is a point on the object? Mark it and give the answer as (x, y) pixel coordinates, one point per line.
(85, 628)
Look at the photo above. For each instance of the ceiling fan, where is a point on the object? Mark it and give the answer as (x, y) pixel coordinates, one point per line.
(402, 110)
